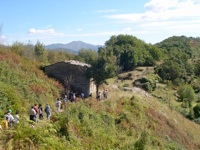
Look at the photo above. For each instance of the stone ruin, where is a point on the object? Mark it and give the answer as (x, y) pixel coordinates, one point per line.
(72, 76)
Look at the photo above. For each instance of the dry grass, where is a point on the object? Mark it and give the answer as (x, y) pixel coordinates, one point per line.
(164, 122)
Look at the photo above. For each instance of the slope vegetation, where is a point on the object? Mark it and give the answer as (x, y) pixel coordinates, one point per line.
(129, 119)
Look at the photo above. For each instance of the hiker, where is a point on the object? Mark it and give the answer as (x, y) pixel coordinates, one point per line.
(65, 101)
(105, 93)
(71, 96)
(74, 97)
(32, 113)
(10, 118)
(40, 111)
(16, 118)
(58, 104)
(5, 123)
(82, 96)
(37, 112)
(99, 96)
(48, 111)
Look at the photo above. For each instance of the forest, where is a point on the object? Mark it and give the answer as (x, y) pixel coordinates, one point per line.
(126, 120)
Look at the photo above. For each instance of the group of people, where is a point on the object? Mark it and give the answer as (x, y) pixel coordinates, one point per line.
(9, 120)
(36, 112)
(71, 97)
(105, 95)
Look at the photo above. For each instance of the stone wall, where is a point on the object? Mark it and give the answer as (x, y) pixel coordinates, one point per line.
(72, 75)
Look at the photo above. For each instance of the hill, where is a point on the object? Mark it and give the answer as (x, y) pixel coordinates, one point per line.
(130, 118)
(74, 46)
(188, 45)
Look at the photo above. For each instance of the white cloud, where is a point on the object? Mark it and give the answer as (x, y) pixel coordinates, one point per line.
(50, 31)
(167, 17)
(2, 39)
(157, 5)
(158, 10)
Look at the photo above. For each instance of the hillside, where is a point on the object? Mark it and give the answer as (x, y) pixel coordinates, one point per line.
(188, 45)
(130, 118)
(22, 83)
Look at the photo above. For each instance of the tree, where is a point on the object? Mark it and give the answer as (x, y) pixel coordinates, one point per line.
(88, 55)
(18, 48)
(175, 67)
(40, 52)
(68, 79)
(196, 110)
(132, 52)
(180, 43)
(187, 94)
(169, 70)
(101, 69)
(39, 49)
(197, 68)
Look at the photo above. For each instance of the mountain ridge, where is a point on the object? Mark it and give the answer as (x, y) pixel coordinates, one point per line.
(73, 46)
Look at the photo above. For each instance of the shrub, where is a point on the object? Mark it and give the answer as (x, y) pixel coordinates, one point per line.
(187, 94)
(147, 83)
(196, 110)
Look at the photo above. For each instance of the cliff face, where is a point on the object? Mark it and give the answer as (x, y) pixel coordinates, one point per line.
(72, 75)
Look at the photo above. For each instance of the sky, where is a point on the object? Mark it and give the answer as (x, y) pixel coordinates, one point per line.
(95, 21)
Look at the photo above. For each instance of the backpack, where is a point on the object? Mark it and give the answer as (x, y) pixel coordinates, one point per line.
(47, 109)
(36, 110)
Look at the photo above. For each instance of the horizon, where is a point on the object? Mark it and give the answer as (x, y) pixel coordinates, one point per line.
(94, 22)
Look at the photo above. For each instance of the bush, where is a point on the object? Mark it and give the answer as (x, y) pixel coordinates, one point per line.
(147, 83)
(187, 94)
(196, 110)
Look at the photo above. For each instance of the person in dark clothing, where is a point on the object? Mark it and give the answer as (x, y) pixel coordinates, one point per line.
(71, 96)
(48, 111)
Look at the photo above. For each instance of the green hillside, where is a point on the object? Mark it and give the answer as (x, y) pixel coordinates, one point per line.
(22, 83)
(143, 111)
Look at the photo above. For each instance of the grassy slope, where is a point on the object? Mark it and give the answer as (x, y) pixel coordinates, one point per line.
(22, 83)
(164, 122)
(130, 119)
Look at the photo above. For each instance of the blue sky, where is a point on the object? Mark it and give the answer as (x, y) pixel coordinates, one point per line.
(95, 21)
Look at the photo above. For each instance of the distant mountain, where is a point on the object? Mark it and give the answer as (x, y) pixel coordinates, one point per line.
(74, 46)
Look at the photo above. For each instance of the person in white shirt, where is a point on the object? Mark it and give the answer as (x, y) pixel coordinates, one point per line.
(10, 118)
(58, 104)
(32, 113)
(16, 118)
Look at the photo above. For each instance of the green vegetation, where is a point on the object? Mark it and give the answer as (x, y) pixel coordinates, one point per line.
(132, 52)
(160, 114)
